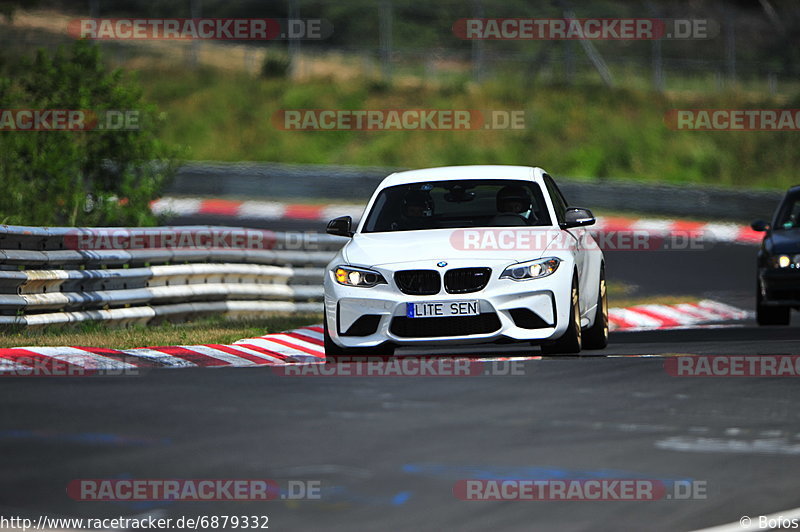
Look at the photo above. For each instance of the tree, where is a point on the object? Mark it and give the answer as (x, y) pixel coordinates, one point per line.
(86, 177)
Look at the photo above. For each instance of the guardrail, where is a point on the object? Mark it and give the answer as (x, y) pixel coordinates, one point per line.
(356, 184)
(148, 275)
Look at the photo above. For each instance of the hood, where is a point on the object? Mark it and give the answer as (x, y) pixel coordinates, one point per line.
(501, 243)
(784, 241)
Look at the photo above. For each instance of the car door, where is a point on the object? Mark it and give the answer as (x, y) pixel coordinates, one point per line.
(579, 235)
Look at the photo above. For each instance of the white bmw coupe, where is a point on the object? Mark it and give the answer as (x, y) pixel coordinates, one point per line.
(466, 255)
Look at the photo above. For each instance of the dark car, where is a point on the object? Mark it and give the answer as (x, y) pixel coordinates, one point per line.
(778, 283)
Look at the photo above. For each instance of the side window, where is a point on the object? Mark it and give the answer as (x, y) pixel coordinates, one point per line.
(559, 203)
(790, 216)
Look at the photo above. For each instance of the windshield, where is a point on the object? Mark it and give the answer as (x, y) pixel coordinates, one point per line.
(789, 217)
(456, 204)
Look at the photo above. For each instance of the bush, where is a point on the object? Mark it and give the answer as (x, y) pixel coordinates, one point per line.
(275, 66)
(86, 177)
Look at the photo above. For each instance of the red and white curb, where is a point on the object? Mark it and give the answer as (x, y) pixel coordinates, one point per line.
(684, 315)
(699, 231)
(253, 209)
(301, 346)
(272, 210)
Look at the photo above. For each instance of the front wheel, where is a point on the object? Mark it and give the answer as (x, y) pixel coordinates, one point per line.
(570, 343)
(770, 315)
(596, 336)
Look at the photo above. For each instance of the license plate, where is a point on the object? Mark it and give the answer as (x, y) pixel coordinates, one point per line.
(436, 309)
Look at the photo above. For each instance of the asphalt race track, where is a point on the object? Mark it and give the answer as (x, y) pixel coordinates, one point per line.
(388, 451)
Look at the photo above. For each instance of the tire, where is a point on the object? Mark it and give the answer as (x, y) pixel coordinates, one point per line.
(334, 351)
(770, 315)
(596, 336)
(570, 342)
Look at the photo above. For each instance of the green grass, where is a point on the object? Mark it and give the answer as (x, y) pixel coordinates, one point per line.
(581, 130)
(215, 330)
(586, 131)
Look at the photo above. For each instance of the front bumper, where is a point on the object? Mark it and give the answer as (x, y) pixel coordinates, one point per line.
(780, 287)
(536, 310)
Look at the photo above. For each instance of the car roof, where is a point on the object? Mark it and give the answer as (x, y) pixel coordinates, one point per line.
(449, 173)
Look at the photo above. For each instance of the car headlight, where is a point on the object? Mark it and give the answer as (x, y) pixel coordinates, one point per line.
(360, 277)
(785, 261)
(535, 269)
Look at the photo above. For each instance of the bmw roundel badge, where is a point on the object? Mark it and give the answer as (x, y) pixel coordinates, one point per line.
(441, 264)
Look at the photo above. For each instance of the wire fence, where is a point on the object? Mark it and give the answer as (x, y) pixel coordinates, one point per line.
(753, 47)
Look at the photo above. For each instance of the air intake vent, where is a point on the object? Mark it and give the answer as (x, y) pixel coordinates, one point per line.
(418, 282)
(363, 326)
(527, 319)
(451, 326)
(466, 280)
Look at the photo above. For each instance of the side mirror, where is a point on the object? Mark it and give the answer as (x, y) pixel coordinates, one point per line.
(759, 225)
(340, 226)
(577, 217)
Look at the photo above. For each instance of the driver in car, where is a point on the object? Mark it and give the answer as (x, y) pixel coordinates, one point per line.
(513, 206)
(417, 210)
